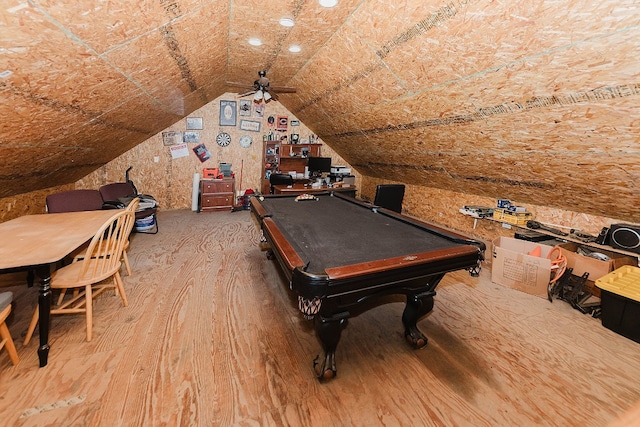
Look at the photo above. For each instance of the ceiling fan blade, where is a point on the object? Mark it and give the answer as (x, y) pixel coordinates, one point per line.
(251, 92)
(237, 84)
(283, 89)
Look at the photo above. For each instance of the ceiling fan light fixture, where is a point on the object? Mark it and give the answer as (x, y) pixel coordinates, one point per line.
(257, 96)
(267, 96)
(328, 3)
(255, 41)
(287, 22)
(295, 48)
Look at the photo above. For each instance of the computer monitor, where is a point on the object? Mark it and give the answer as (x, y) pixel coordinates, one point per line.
(319, 165)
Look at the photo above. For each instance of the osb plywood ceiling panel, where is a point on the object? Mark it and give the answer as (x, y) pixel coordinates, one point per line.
(533, 100)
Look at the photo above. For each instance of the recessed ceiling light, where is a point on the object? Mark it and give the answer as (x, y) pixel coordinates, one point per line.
(286, 22)
(255, 42)
(328, 3)
(295, 48)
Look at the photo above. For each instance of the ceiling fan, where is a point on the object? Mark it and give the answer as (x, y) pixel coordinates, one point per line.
(262, 89)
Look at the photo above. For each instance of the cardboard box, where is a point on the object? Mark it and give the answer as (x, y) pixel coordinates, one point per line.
(596, 268)
(514, 268)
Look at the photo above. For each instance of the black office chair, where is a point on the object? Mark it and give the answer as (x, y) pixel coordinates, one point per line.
(279, 179)
(390, 196)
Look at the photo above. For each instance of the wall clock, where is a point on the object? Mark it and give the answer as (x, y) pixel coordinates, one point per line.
(223, 139)
(245, 141)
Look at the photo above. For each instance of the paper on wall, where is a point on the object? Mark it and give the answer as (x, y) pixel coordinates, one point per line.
(178, 151)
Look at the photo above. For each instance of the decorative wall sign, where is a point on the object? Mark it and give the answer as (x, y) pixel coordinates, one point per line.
(191, 137)
(245, 107)
(250, 125)
(172, 137)
(258, 110)
(295, 138)
(194, 123)
(282, 123)
(294, 122)
(227, 113)
(202, 152)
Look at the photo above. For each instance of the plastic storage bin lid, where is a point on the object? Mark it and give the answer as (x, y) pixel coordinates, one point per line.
(624, 281)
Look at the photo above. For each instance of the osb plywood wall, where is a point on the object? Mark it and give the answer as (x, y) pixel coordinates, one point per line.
(442, 207)
(533, 100)
(170, 180)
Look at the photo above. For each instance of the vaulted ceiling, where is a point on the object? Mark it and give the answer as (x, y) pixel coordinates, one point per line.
(532, 100)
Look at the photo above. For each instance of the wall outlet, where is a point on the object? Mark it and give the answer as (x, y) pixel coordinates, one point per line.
(156, 159)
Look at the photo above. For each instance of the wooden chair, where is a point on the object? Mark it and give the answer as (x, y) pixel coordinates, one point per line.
(71, 201)
(82, 252)
(102, 262)
(390, 196)
(5, 337)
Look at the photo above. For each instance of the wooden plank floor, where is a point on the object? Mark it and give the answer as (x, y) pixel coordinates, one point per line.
(212, 337)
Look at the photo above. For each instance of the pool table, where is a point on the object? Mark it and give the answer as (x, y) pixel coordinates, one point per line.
(341, 254)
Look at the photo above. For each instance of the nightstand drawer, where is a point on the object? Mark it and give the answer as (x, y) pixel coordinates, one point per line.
(218, 200)
(217, 187)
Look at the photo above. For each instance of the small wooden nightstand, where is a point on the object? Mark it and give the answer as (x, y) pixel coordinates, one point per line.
(217, 194)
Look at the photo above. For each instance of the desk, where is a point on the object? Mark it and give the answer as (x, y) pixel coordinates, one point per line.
(297, 188)
(341, 254)
(39, 242)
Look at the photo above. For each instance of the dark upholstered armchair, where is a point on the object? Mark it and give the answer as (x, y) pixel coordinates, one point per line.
(280, 179)
(390, 196)
(119, 192)
(74, 201)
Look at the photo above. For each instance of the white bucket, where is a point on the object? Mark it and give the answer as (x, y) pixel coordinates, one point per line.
(145, 224)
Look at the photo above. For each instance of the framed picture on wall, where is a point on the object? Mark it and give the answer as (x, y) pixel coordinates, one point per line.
(194, 123)
(227, 113)
(250, 125)
(172, 137)
(282, 123)
(245, 107)
(191, 137)
(258, 110)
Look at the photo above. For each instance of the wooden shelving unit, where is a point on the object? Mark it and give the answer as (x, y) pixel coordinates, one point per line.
(285, 158)
(557, 236)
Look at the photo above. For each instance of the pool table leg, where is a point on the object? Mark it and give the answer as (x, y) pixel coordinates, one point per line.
(417, 306)
(328, 330)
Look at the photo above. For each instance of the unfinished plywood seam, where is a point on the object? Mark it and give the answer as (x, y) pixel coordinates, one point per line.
(81, 42)
(530, 57)
(420, 28)
(322, 45)
(170, 40)
(440, 16)
(90, 116)
(278, 48)
(405, 36)
(593, 95)
(375, 168)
